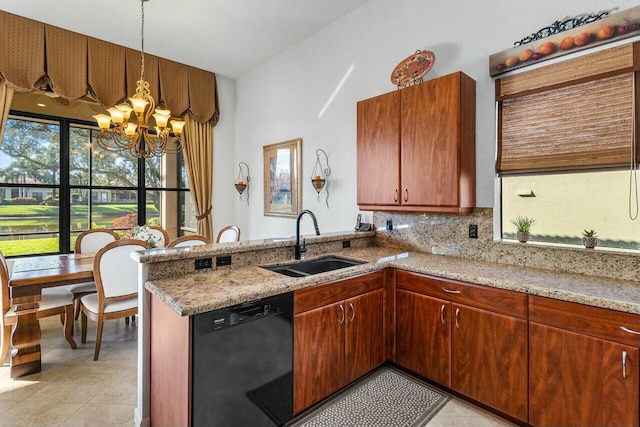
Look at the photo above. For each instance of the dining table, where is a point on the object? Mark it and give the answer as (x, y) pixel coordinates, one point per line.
(28, 277)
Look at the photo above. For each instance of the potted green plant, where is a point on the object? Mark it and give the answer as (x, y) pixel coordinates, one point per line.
(589, 239)
(523, 227)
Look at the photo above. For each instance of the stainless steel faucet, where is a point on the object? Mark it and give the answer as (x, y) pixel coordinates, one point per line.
(299, 250)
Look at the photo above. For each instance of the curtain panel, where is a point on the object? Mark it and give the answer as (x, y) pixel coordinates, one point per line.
(198, 158)
(38, 56)
(6, 94)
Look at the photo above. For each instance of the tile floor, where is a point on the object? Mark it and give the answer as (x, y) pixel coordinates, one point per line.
(73, 390)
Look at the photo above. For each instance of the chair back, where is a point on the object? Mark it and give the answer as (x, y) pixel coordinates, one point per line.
(91, 241)
(4, 289)
(161, 235)
(190, 240)
(230, 233)
(115, 272)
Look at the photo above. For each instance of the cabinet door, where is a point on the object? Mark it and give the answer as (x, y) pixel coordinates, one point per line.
(423, 335)
(318, 355)
(489, 359)
(365, 338)
(430, 143)
(577, 380)
(378, 147)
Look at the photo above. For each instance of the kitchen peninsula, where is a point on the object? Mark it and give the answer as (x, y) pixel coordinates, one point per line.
(173, 291)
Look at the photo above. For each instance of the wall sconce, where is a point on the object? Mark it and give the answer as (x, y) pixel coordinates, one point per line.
(242, 180)
(320, 175)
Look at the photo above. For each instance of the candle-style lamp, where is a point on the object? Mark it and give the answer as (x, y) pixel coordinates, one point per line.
(320, 175)
(242, 180)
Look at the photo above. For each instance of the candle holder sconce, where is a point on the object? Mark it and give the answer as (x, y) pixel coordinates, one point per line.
(320, 175)
(242, 180)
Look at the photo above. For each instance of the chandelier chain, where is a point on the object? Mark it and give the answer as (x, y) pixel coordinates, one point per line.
(142, 39)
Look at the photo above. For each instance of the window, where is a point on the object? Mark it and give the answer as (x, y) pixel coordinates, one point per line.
(55, 182)
(565, 145)
(564, 205)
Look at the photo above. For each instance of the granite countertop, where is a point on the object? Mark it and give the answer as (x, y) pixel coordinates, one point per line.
(224, 286)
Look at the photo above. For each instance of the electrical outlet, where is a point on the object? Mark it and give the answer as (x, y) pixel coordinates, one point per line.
(203, 263)
(223, 260)
(389, 224)
(473, 231)
(346, 244)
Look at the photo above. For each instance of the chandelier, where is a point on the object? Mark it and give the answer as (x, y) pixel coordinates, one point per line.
(117, 133)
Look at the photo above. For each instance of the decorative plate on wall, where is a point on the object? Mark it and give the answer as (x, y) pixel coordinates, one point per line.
(411, 69)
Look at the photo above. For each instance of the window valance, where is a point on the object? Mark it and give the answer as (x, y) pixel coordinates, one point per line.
(34, 56)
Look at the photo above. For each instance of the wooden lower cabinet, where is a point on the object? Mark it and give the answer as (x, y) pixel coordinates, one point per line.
(364, 347)
(584, 365)
(470, 338)
(319, 356)
(336, 342)
(489, 359)
(423, 335)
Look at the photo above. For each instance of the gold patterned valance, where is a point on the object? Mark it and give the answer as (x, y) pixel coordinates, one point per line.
(34, 55)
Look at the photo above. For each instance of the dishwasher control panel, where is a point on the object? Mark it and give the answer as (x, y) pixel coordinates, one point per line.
(242, 313)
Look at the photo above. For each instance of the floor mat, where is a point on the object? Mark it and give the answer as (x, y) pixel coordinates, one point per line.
(386, 398)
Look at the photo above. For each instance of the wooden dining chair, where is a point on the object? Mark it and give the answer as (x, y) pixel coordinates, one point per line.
(190, 240)
(230, 233)
(116, 276)
(55, 302)
(161, 234)
(89, 241)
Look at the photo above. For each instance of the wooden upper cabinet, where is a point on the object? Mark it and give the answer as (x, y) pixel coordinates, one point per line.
(429, 143)
(379, 150)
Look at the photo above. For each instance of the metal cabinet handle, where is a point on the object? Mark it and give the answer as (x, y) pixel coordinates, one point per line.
(457, 318)
(395, 196)
(353, 312)
(342, 311)
(624, 365)
(450, 291)
(631, 331)
(442, 314)
(406, 195)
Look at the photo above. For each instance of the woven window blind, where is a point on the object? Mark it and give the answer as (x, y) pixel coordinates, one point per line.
(586, 125)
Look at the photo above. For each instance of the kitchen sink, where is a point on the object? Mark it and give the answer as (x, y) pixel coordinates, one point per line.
(313, 266)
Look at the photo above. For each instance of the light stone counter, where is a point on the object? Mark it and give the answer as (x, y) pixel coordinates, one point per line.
(195, 293)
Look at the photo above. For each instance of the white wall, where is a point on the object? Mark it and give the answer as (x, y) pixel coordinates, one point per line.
(284, 98)
(223, 156)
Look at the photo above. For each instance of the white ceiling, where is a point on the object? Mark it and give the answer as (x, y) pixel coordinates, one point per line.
(228, 37)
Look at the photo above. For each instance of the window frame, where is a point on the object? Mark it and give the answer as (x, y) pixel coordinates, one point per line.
(65, 188)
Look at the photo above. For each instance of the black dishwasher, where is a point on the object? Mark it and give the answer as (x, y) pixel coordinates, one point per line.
(243, 364)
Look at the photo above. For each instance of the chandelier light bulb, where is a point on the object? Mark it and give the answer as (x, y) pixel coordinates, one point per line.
(130, 130)
(138, 105)
(117, 115)
(104, 121)
(177, 126)
(126, 109)
(161, 119)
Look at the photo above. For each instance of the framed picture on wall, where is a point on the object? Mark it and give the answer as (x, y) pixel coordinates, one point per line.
(282, 179)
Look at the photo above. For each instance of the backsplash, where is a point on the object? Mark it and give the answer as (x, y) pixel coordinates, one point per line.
(448, 235)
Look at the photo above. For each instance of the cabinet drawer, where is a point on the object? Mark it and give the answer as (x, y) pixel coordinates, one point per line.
(318, 296)
(594, 321)
(497, 300)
